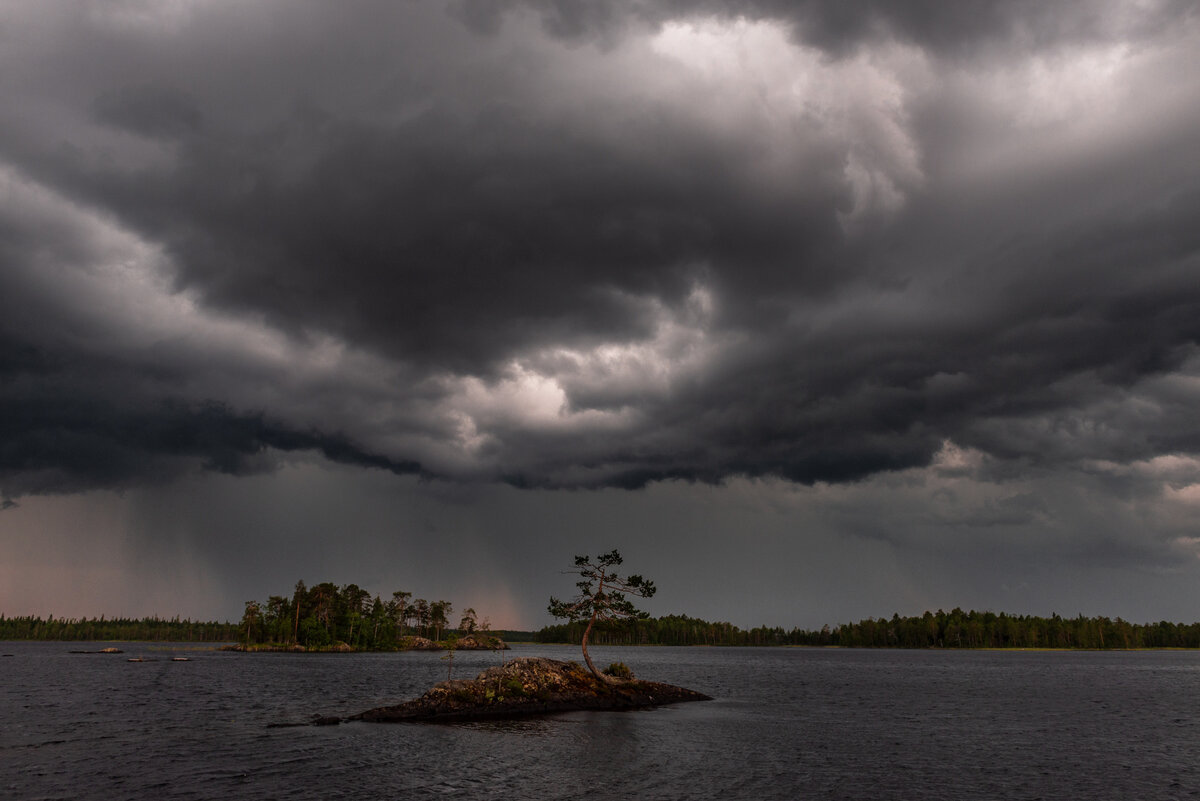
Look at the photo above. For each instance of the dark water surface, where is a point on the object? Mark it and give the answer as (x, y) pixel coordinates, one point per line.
(787, 723)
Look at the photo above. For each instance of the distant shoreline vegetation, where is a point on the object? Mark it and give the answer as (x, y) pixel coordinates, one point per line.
(325, 617)
(102, 629)
(952, 630)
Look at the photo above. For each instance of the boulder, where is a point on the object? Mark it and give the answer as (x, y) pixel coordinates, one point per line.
(420, 644)
(477, 642)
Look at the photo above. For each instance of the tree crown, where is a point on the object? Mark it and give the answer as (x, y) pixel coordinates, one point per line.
(602, 591)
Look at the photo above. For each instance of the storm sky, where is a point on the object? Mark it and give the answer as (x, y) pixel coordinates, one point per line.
(816, 310)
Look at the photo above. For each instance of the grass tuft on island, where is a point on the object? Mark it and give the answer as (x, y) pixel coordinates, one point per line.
(529, 686)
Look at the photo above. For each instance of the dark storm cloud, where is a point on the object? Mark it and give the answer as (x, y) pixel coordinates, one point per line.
(82, 409)
(839, 26)
(460, 193)
(148, 110)
(457, 240)
(80, 440)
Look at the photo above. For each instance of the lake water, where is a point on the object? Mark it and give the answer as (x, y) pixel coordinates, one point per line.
(786, 723)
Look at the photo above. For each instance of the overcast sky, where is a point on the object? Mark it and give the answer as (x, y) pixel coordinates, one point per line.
(815, 310)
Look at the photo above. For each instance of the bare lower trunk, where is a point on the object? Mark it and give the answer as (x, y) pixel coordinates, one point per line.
(586, 658)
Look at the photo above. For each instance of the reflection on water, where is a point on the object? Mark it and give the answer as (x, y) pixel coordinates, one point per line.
(536, 727)
(786, 723)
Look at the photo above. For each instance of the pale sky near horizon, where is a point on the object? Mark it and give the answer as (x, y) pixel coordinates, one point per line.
(816, 310)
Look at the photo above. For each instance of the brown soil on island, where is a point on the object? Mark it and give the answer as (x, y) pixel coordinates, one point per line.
(529, 686)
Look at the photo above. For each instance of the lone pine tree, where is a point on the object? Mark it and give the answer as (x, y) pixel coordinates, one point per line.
(601, 596)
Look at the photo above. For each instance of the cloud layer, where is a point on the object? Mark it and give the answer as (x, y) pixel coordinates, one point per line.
(604, 244)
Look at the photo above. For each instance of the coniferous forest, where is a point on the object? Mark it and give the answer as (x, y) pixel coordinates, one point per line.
(955, 629)
(84, 629)
(322, 617)
(326, 615)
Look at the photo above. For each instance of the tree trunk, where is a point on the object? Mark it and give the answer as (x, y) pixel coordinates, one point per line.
(586, 658)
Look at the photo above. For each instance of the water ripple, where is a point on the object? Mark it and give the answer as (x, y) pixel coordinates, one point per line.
(787, 724)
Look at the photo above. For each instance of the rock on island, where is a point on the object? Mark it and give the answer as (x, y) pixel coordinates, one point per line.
(529, 686)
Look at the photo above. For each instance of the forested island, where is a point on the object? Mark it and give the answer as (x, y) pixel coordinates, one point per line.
(328, 617)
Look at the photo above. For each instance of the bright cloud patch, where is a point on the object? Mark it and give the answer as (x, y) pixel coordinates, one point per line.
(752, 74)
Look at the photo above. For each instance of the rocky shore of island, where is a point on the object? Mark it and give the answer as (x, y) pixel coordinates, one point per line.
(528, 686)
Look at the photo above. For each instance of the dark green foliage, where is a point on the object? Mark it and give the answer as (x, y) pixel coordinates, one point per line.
(325, 615)
(602, 597)
(316, 617)
(379, 630)
(619, 670)
(101, 629)
(602, 593)
(955, 629)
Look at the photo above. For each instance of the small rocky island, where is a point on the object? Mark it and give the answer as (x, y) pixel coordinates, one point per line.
(528, 686)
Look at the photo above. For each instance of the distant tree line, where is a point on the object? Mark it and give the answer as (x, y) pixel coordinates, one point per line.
(322, 616)
(326, 614)
(94, 629)
(954, 629)
(668, 630)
